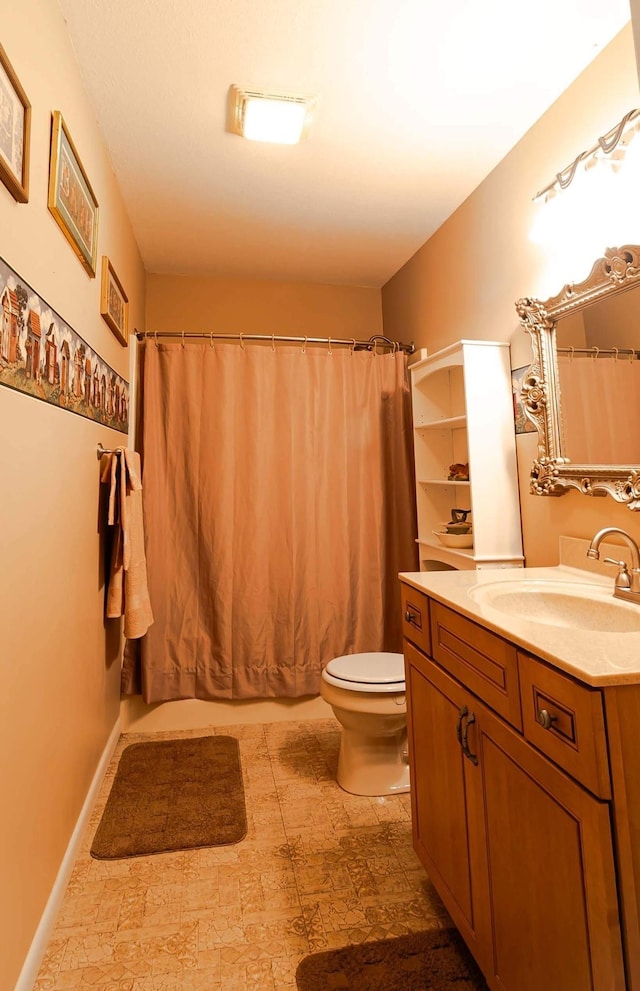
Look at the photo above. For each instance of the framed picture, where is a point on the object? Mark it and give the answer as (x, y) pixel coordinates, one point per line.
(71, 198)
(15, 131)
(114, 305)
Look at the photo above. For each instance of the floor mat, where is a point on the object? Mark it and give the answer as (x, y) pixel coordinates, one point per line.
(173, 795)
(436, 960)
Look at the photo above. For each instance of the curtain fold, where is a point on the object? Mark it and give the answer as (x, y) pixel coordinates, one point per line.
(279, 508)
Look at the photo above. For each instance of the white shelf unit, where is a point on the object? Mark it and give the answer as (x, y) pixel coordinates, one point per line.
(463, 412)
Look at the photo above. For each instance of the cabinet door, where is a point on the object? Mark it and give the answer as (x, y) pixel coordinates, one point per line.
(446, 800)
(553, 894)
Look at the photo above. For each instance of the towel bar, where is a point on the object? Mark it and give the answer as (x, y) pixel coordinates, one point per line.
(103, 450)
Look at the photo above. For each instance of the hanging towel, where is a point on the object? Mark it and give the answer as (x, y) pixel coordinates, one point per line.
(127, 593)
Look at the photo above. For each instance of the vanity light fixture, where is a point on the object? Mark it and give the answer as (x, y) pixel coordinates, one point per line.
(611, 147)
(592, 201)
(277, 118)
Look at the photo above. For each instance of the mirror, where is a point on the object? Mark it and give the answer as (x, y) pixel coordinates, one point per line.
(582, 390)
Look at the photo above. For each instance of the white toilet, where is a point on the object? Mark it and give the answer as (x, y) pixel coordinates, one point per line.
(367, 695)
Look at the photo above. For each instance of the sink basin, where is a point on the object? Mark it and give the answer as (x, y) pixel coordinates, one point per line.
(573, 605)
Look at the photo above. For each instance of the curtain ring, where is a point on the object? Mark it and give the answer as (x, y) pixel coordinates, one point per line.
(304, 346)
(353, 346)
(571, 349)
(273, 343)
(156, 337)
(597, 352)
(241, 342)
(615, 350)
(211, 344)
(183, 338)
(330, 351)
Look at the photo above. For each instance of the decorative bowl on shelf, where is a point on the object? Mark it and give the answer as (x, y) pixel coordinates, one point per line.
(457, 527)
(448, 539)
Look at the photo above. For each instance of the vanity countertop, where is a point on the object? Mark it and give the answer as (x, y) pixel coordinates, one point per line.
(596, 657)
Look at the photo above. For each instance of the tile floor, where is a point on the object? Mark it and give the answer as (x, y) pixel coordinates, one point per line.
(318, 869)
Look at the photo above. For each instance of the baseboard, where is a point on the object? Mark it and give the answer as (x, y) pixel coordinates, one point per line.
(33, 960)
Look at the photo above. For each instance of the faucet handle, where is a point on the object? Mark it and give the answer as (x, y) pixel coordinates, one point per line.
(623, 578)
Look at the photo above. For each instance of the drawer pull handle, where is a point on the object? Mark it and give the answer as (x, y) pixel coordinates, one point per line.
(410, 617)
(545, 718)
(463, 712)
(465, 745)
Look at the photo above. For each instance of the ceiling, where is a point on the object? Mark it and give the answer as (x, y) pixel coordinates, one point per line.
(418, 101)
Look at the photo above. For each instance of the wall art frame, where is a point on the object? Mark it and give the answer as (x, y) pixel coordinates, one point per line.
(15, 132)
(44, 358)
(71, 198)
(114, 303)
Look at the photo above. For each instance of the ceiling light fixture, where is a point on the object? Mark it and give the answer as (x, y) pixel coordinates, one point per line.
(274, 117)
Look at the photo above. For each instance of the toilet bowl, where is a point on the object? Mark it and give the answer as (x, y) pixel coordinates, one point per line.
(367, 695)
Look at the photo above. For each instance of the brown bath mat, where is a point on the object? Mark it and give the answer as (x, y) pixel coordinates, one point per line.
(437, 960)
(173, 795)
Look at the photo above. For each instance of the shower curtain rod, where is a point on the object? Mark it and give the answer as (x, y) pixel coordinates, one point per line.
(595, 352)
(330, 341)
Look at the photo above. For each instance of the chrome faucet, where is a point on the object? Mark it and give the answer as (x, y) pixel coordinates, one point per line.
(627, 583)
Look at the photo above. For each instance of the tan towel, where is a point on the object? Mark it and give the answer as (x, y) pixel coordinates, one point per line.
(127, 594)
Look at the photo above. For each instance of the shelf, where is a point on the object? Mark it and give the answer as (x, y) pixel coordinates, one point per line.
(441, 481)
(461, 558)
(434, 545)
(462, 404)
(449, 423)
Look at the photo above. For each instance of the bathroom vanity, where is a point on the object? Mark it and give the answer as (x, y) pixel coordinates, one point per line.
(523, 707)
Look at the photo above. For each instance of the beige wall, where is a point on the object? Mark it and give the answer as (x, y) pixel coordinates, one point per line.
(252, 306)
(464, 280)
(59, 667)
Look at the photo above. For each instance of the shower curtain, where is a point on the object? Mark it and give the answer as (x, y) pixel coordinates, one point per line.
(279, 508)
(600, 401)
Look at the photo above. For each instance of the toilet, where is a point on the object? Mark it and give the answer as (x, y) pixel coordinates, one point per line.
(367, 695)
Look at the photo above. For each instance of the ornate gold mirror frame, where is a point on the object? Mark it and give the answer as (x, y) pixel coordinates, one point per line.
(553, 474)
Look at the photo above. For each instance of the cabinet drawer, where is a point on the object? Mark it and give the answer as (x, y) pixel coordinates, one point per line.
(415, 618)
(565, 720)
(485, 663)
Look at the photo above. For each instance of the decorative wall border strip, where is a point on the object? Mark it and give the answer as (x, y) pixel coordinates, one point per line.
(43, 357)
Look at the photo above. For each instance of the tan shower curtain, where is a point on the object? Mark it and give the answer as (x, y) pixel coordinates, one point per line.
(600, 401)
(279, 508)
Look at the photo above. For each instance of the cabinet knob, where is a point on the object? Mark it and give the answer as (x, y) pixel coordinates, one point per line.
(545, 718)
(410, 617)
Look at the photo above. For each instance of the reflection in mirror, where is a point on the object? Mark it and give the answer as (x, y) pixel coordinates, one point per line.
(582, 390)
(598, 351)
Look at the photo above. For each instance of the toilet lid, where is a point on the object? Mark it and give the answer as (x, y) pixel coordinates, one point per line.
(374, 668)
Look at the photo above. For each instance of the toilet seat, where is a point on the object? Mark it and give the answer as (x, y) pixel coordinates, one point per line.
(369, 672)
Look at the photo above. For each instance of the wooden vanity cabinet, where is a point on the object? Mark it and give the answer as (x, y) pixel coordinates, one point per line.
(520, 852)
(446, 801)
